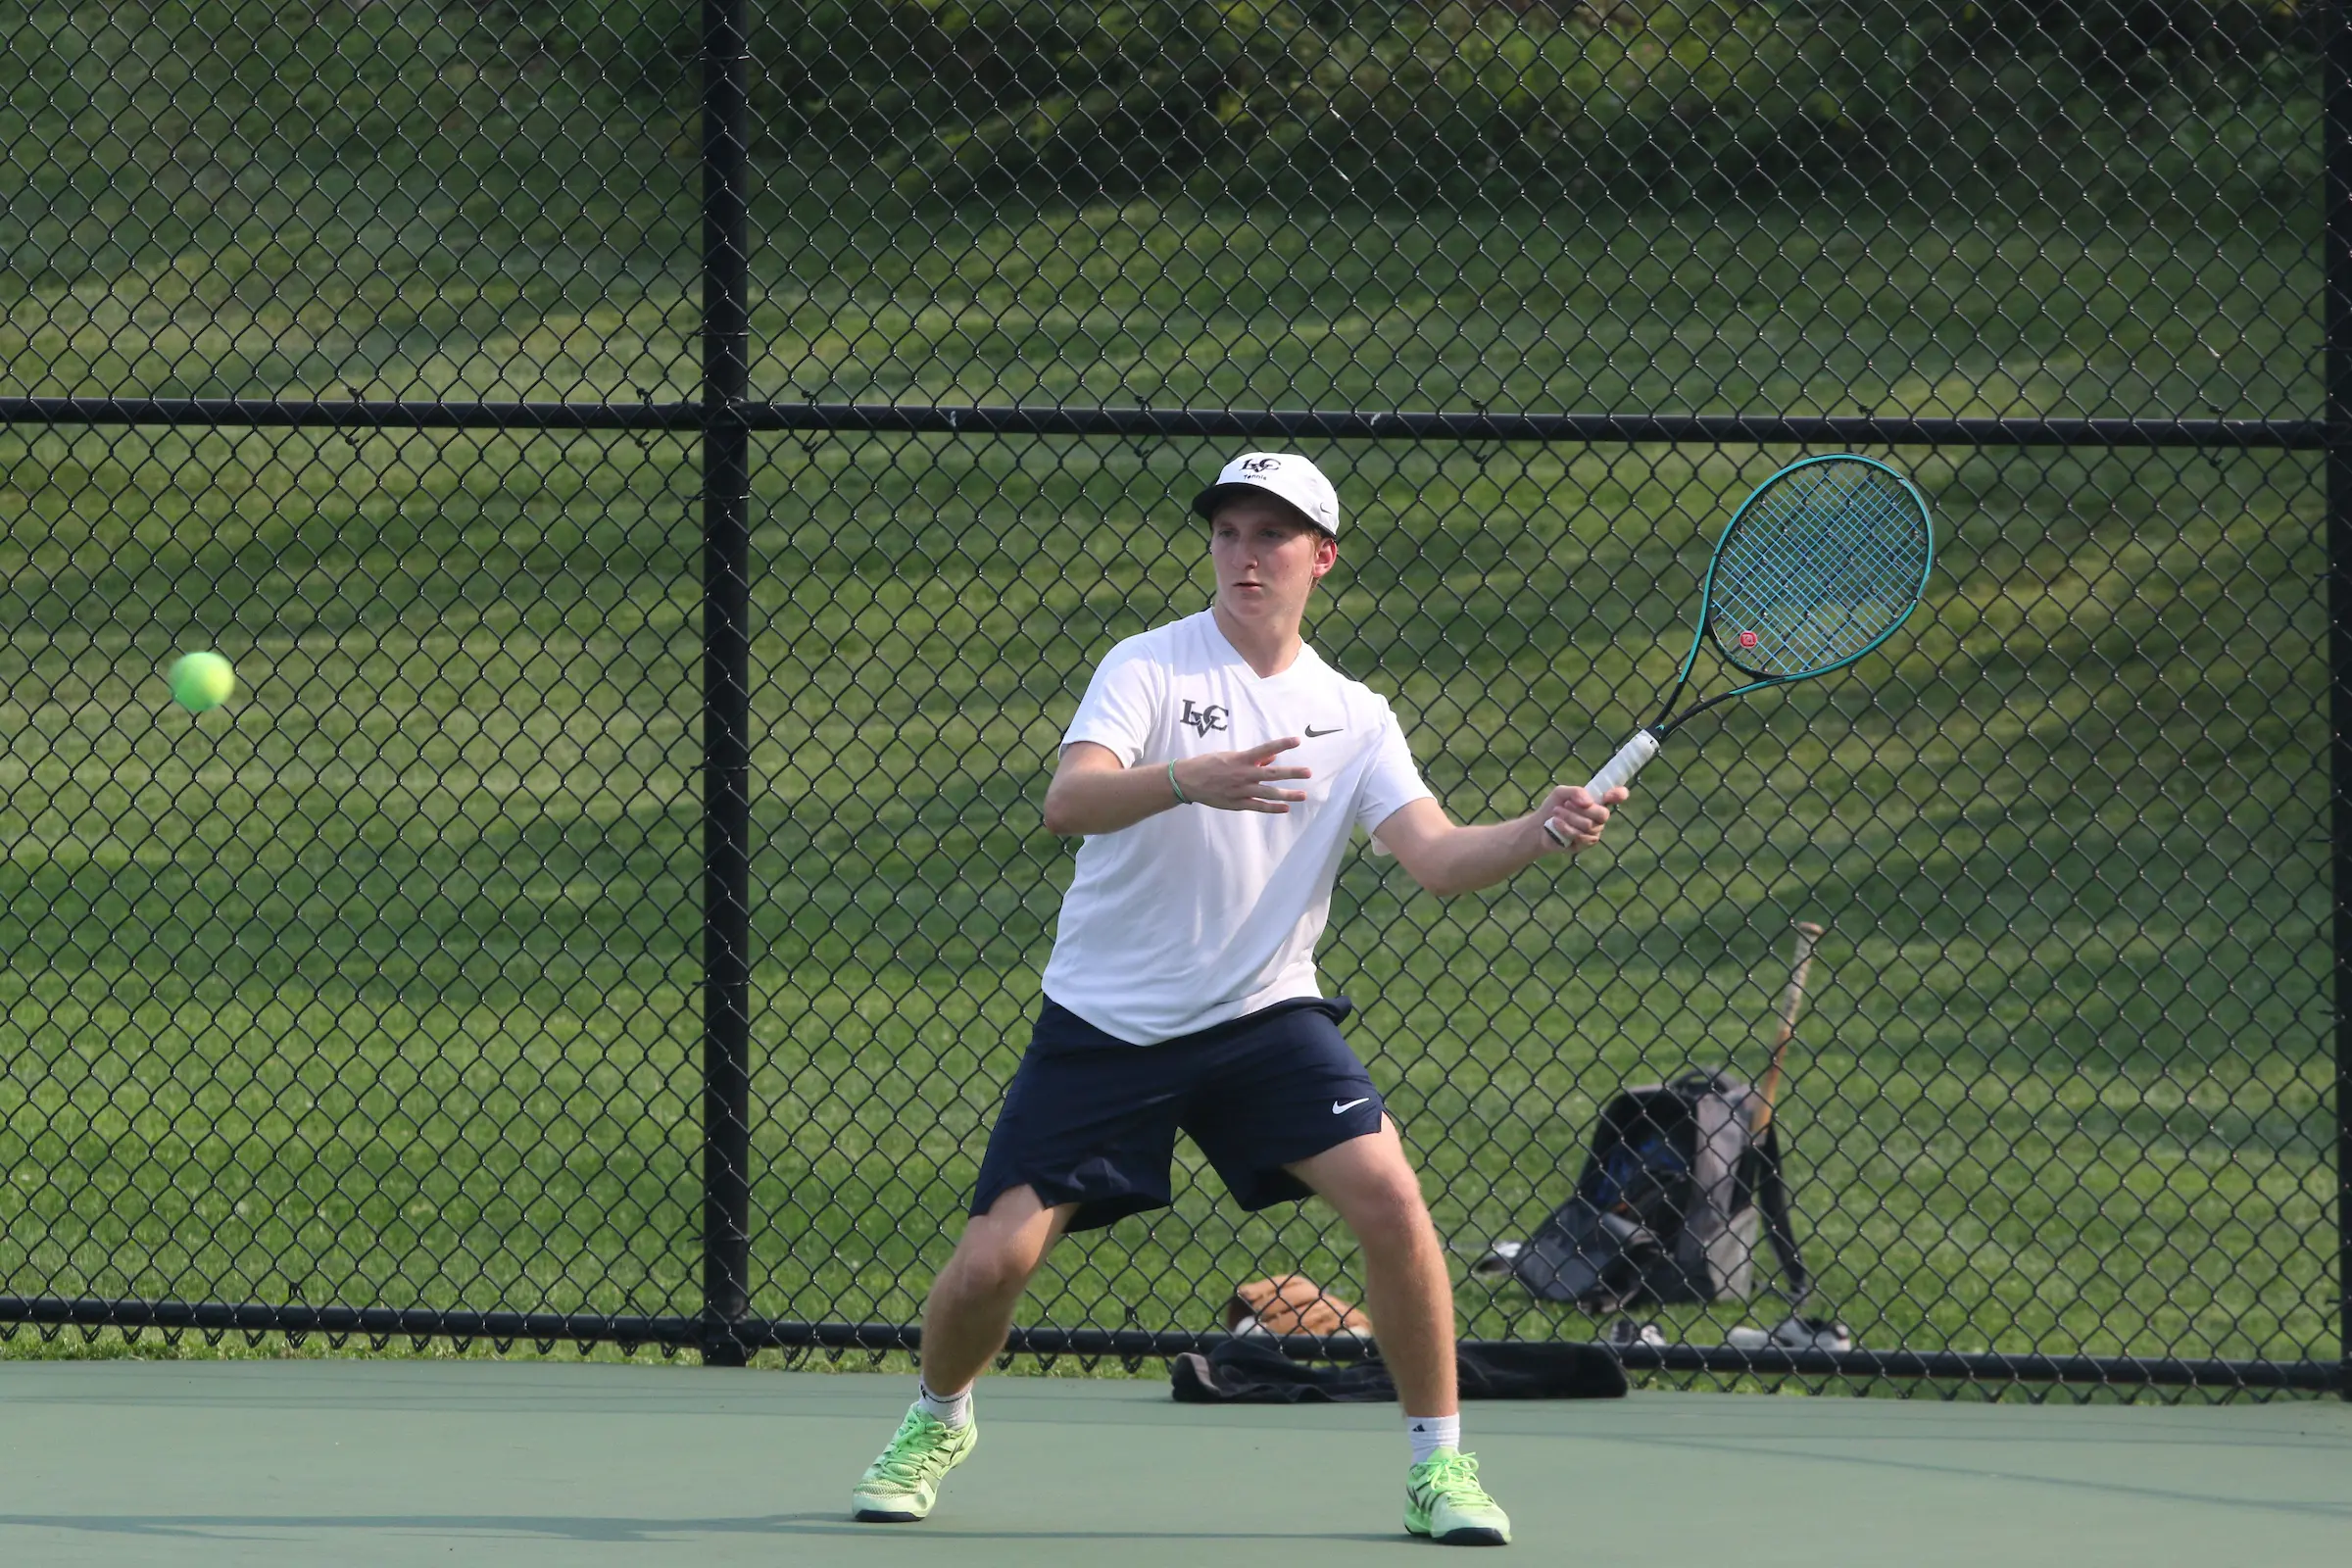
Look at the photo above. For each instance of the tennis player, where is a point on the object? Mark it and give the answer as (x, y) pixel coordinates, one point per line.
(1217, 769)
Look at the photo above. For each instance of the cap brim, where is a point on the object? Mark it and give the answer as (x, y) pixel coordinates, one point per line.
(1206, 503)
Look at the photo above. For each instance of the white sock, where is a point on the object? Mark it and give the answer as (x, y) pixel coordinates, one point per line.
(955, 1410)
(1430, 1433)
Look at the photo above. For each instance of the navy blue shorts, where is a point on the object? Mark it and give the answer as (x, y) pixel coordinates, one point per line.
(1092, 1120)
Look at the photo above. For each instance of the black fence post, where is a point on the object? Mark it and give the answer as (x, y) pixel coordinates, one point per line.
(2339, 242)
(726, 680)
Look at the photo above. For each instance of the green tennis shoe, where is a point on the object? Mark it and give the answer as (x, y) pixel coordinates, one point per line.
(900, 1486)
(1443, 1502)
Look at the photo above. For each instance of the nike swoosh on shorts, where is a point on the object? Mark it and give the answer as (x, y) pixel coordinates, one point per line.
(1336, 1109)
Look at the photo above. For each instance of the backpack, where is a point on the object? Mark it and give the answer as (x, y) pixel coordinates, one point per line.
(1668, 1206)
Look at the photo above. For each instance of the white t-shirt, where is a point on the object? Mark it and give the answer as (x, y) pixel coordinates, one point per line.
(1195, 915)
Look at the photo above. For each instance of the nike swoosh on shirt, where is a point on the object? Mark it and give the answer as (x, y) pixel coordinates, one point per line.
(1312, 732)
(1337, 1108)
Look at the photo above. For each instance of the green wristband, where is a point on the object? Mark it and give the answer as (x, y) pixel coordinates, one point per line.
(1178, 787)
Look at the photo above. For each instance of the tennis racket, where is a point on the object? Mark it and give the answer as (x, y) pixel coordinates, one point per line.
(1821, 563)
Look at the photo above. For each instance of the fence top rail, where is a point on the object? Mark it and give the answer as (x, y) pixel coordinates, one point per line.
(1331, 424)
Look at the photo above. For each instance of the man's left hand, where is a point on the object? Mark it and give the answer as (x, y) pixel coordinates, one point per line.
(1577, 816)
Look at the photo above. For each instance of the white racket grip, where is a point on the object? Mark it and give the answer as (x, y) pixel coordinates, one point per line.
(1620, 771)
(1624, 765)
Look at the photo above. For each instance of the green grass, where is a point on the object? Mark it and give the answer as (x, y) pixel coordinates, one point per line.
(381, 984)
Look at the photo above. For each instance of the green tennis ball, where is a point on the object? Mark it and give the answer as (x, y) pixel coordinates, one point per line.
(202, 681)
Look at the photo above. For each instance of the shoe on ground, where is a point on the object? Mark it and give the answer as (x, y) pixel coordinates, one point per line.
(1626, 1333)
(901, 1486)
(1443, 1502)
(1813, 1334)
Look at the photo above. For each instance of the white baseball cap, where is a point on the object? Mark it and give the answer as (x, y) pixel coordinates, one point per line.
(1284, 475)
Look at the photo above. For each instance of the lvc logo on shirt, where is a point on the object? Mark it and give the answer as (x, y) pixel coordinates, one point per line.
(1203, 719)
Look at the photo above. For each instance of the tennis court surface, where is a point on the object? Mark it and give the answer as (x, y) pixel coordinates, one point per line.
(356, 1462)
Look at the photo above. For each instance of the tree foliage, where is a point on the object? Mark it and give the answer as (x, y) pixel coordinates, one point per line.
(1397, 98)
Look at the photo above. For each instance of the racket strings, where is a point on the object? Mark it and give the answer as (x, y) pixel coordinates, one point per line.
(1845, 575)
(1823, 564)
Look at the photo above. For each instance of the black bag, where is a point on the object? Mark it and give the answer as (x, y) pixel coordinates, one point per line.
(1668, 1206)
(1256, 1371)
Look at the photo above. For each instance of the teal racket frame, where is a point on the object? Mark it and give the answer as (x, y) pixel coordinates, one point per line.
(1621, 769)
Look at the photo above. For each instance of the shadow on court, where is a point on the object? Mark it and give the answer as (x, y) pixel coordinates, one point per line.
(412, 1463)
(226, 1527)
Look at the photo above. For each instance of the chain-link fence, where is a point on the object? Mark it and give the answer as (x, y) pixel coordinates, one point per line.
(664, 474)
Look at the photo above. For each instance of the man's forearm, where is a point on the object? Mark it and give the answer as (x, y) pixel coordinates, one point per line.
(1105, 799)
(1482, 854)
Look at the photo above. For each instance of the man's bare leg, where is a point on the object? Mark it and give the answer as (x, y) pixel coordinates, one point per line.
(1410, 1296)
(971, 1305)
(964, 1324)
(1407, 1287)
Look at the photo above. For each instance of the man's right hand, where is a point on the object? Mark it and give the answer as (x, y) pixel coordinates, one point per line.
(1241, 781)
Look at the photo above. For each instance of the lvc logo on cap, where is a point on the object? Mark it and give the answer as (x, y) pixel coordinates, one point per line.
(1260, 464)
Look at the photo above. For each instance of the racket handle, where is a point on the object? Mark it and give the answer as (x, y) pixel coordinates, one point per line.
(1620, 771)
(1624, 764)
